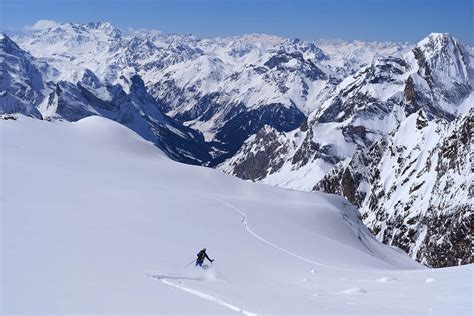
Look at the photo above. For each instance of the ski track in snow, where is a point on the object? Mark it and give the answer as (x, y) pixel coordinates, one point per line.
(209, 298)
(353, 291)
(215, 300)
(174, 277)
(257, 236)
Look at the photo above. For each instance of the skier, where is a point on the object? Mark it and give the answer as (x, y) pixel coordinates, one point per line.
(201, 256)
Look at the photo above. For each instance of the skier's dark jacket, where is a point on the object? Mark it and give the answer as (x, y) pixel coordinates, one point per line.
(202, 255)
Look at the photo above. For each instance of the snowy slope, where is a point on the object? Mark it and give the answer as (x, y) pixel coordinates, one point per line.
(97, 220)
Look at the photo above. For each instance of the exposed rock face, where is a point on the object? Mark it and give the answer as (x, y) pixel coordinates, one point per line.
(265, 155)
(346, 178)
(415, 192)
(450, 227)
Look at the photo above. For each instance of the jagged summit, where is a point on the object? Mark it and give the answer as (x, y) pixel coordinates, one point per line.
(443, 63)
(443, 43)
(433, 39)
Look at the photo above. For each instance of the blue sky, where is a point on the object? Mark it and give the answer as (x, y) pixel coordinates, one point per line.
(395, 20)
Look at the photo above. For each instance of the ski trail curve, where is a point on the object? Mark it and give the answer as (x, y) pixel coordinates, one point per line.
(209, 298)
(257, 236)
(244, 221)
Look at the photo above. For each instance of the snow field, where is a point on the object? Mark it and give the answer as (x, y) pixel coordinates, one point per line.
(97, 220)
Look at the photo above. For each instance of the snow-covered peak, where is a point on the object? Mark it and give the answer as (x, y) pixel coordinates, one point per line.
(435, 41)
(443, 46)
(106, 27)
(71, 48)
(443, 63)
(47, 26)
(93, 31)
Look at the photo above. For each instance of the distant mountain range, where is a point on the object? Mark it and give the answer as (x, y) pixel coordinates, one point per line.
(386, 125)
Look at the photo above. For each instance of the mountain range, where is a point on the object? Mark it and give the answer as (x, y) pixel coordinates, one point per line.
(386, 125)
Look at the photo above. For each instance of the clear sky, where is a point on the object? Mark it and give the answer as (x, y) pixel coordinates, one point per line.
(394, 20)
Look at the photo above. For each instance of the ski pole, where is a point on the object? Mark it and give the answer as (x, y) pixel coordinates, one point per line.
(189, 263)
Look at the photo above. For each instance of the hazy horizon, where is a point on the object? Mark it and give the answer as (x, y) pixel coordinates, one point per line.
(365, 20)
